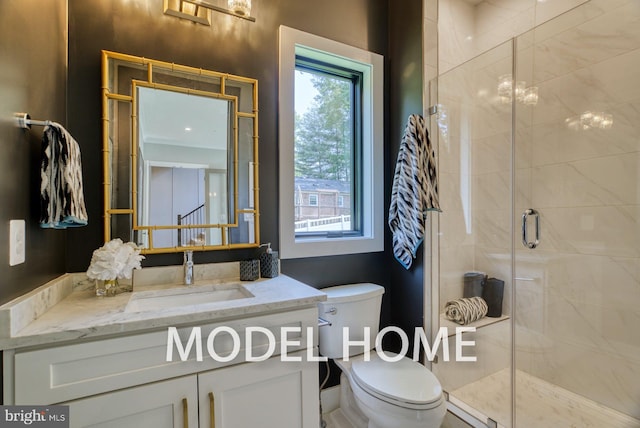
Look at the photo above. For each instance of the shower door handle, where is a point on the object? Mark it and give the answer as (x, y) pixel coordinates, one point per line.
(525, 240)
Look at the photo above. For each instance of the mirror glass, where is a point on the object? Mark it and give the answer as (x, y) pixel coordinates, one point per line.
(180, 149)
(184, 142)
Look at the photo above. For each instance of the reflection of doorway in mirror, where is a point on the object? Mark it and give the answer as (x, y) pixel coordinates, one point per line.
(172, 191)
(216, 206)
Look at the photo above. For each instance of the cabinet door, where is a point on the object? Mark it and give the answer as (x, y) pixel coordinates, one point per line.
(269, 393)
(158, 405)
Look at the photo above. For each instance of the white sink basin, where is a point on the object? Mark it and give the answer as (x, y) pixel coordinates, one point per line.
(186, 296)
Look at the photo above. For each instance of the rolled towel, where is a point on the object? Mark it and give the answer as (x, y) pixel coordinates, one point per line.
(466, 310)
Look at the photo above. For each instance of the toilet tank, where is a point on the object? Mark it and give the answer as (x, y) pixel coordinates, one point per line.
(355, 306)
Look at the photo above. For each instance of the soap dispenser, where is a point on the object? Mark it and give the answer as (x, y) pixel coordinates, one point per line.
(269, 263)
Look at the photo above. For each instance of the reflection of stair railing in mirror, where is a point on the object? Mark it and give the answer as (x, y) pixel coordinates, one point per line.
(192, 235)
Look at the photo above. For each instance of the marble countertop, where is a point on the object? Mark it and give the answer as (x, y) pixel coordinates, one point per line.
(66, 309)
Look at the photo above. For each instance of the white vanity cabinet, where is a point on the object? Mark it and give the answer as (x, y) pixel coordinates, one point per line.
(270, 393)
(126, 381)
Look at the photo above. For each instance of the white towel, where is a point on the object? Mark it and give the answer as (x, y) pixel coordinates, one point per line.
(414, 192)
(61, 193)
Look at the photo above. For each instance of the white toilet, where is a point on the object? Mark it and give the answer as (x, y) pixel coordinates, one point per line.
(375, 393)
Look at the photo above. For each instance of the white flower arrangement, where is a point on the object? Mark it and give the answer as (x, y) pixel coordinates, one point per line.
(114, 260)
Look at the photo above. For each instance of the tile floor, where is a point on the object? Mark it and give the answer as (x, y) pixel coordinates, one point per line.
(336, 419)
(539, 404)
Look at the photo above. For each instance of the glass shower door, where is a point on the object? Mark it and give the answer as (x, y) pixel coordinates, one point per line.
(539, 170)
(577, 163)
(474, 140)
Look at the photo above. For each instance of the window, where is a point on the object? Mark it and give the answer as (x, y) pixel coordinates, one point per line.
(327, 147)
(331, 133)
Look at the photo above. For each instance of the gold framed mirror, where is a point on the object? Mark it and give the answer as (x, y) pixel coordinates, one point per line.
(180, 155)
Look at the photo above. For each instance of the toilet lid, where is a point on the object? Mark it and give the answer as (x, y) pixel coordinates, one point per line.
(405, 381)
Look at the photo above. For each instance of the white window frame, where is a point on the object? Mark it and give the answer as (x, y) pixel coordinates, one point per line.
(317, 199)
(372, 67)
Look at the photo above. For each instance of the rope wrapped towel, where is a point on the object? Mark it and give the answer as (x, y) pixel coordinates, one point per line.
(466, 310)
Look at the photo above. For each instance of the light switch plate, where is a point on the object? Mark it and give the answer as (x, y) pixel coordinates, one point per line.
(17, 242)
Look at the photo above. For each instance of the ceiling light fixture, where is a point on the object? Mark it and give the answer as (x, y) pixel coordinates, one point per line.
(240, 7)
(200, 10)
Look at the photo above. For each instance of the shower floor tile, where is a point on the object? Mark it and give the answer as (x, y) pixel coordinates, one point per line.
(539, 404)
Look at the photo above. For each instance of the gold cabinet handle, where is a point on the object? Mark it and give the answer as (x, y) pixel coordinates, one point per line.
(212, 410)
(185, 413)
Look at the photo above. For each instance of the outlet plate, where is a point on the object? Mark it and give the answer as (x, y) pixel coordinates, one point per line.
(17, 242)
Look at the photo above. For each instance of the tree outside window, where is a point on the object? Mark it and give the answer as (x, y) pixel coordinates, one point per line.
(325, 149)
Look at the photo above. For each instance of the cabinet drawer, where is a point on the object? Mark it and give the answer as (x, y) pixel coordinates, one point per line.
(57, 374)
(167, 404)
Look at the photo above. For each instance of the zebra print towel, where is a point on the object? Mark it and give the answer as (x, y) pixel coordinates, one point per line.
(414, 192)
(61, 194)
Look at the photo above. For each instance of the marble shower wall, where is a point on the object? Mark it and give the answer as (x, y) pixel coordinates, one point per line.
(468, 28)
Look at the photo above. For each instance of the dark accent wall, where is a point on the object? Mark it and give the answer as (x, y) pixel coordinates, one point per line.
(230, 45)
(405, 98)
(404, 294)
(33, 79)
(390, 28)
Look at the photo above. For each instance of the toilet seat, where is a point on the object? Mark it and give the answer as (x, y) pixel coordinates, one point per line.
(404, 383)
